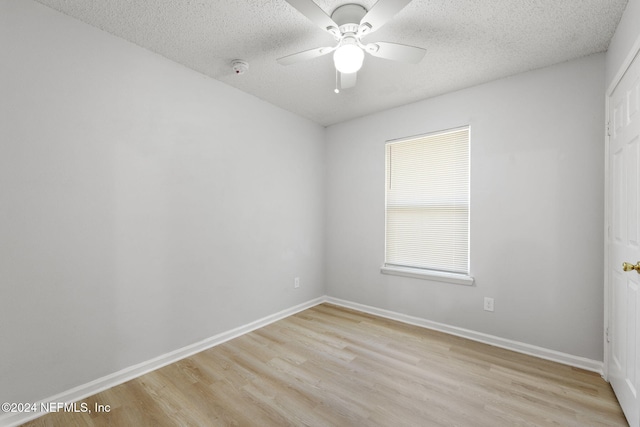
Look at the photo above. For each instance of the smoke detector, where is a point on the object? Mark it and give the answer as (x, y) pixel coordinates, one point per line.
(239, 66)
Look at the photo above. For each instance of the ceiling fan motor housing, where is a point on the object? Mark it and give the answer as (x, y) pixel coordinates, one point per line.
(348, 17)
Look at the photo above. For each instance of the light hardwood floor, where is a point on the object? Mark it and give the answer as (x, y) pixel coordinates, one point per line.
(331, 366)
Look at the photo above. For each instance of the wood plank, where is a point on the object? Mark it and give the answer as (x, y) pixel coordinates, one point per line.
(332, 366)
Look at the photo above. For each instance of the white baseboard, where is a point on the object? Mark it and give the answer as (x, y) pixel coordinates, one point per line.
(85, 390)
(520, 347)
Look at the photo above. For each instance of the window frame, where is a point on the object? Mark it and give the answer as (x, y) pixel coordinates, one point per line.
(420, 272)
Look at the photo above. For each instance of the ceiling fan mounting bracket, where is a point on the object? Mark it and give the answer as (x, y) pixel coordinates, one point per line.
(348, 17)
(371, 47)
(334, 31)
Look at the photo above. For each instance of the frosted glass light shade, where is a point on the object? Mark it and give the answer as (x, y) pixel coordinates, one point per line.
(348, 58)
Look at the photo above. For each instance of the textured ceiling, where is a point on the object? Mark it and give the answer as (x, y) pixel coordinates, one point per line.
(468, 42)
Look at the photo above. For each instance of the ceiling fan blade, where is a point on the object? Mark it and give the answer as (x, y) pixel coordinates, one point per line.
(380, 13)
(304, 56)
(396, 52)
(316, 15)
(348, 80)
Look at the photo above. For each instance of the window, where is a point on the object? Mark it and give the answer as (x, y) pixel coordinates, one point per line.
(427, 206)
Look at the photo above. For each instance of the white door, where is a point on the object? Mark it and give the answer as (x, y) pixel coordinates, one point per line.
(624, 242)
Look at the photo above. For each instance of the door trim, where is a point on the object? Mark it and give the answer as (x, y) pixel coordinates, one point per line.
(635, 51)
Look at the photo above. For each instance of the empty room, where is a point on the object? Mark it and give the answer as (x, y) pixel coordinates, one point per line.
(319, 213)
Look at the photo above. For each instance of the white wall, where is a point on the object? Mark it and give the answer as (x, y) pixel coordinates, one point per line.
(143, 206)
(536, 208)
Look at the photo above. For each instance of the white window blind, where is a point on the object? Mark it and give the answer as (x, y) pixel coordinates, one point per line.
(427, 202)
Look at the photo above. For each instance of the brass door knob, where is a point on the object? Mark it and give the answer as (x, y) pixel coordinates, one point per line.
(629, 267)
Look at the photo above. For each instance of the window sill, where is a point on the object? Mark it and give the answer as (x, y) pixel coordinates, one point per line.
(438, 276)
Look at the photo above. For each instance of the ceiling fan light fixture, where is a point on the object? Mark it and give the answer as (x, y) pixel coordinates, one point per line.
(348, 58)
(348, 23)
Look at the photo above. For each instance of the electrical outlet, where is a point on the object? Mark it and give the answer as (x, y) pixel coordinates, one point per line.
(488, 304)
(296, 282)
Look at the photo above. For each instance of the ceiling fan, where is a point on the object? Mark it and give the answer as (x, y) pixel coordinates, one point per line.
(348, 24)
